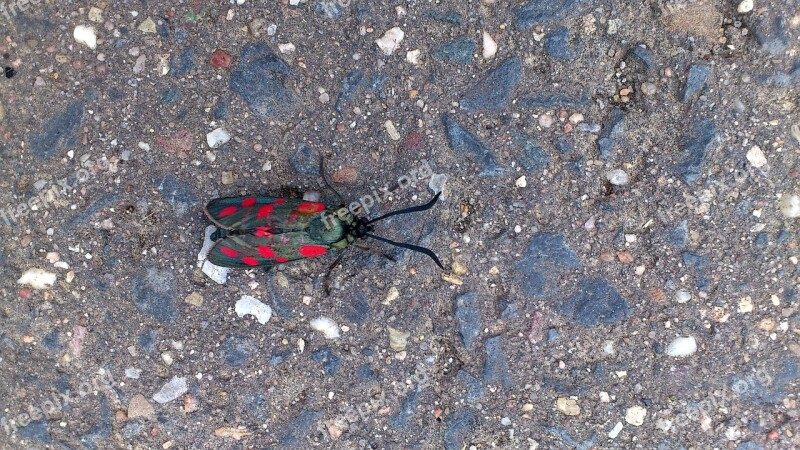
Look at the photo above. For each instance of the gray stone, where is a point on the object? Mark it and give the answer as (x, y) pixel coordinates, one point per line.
(459, 428)
(236, 350)
(534, 12)
(60, 133)
(696, 80)
(771, 35)
(260, 79)
(495, 368)
(330, 362)
(543, 263)
(305, 160)
(492, 93)
(298, 428)
(699, 143)
(459, 50)
(556, 44)
(553, 101)
(596, 302)
(154, 294)
(469, 318)
(462, 141)
(474, 387)
(177, 193)
(611, 131)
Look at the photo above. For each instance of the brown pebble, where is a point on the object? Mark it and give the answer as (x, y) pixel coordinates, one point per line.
(220, 59)
(606, 257)
(341, 128)
(121, 416)
(190, 403)
(25, 293)
(345, 175)
(625, 257)
(773, 435)
(568, 128)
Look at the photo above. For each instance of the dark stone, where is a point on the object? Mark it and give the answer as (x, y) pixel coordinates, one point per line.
(445, 16)
(693, 260)
(94, 206)
(350, 84)
(257, 405)
(147, 341)
(749, 445)
(698, 76)
(564, 436)
(596, 302)
(220, 110)
(236, 350)
(407, 407)
(495, 369)
(365, 373)
(769, 385)
(182, 64)
(469, 318)
(782, 80)
(330, 10)
(60, 133)
(462, 141)
(534, 158)
(644, 56)
(679, 236)
(305, 160)
(541, 267)
(612, 129)
(9, 72)
(697, 147)
(29, 27)
(556, 44)
(298, 428)
(535, 12)
(474, 387)
(359, 309)
(459, 50)
(102, 429)
(492, 93)
(771, 36)
(178, 194)
(508, 309)
(330, 362)
(133, 429)
(762, 240)
(459, 428)
(552, 101)
(36, 431)
(280, 308)
(153, 294)
(260, 79)
(278, 357)
(552, 335)
(51, 340)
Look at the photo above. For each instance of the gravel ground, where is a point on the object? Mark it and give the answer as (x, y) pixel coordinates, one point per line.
(619, 224)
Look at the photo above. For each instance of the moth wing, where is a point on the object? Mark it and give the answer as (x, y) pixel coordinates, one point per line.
(279, 214)
(248, 250)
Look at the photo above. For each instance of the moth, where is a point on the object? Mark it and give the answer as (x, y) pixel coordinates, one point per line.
(258, 231)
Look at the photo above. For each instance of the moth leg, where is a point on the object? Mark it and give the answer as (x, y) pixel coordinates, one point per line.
(375, 251)
(326, 284)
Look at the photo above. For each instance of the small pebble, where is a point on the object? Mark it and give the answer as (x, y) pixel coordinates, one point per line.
(326, 326)
(617, 177)
(390, 40)
(635, 415)
(413, 56)
(790, 206)
(682, 346)
(521, 182)
(568, 406)
(615, 431)
(217, 138)
(756, 157)
(171, 390)
(220, 59)
(489, 46)
(391, 130)
(546, 120)
(248, 305)
(37, 279)
(683, 296)
(648, 88)
(745, 6)
(86, 35)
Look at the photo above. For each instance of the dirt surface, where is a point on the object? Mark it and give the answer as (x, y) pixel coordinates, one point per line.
(619, 224)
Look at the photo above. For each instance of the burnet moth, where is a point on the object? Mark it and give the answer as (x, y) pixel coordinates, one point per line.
(258, 231)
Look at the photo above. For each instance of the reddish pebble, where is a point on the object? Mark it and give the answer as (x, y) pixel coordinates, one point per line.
(25, 293)
(220, 59)
(190, 403)
(415, 141)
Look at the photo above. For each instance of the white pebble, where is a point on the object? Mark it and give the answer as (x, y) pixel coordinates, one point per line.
(617, 177)
(790, 206)
(216, 273)
(683, 296)
(505, 421)
(390, 40)
(615, 431)
(326, 326)
(391, 130)
(756, 157)
(217, 138)
(489, 46)
(85, 35)
(286, 48)
(37, 278)
(521, 182)
(311, 196)
(682, 346)
(248, 305)
(133, 373)
(437, 182)
(745, 6)
(635, 415)
(413, 56)
(173, 389)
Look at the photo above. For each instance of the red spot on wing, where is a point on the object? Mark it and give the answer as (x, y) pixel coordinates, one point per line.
(310, 251)
(264, 211)
(280, 201)
(262, 232)
(249, 201)
(250, 261)
(227, 211)
(281, 259)
(310, 208)
(265, 251)
(229, 252)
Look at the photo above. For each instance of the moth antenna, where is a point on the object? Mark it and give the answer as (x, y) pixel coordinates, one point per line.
(326, 284)
(325, 178)
(415, 248)
(412, 209)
